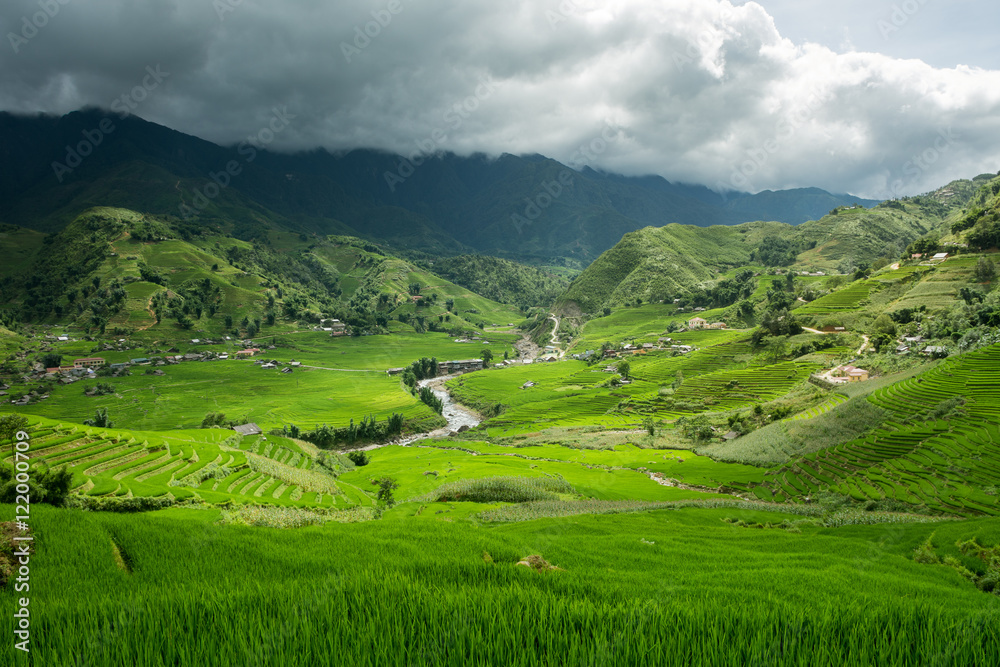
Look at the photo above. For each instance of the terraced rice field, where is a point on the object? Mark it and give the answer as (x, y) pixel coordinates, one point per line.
(213, 465)
(951, 467)
(823, 408)
(847, 299)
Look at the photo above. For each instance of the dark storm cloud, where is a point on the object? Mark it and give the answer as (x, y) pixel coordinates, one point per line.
(695, 90)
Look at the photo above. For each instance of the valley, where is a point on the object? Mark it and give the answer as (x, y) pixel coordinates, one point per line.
(732, 432)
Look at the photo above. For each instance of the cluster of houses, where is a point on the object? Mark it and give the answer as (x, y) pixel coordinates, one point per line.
(267, 364)
(848, 373)
(911, 344)
(450, 367)
(333, 327)
(702, 323)
(644, 348)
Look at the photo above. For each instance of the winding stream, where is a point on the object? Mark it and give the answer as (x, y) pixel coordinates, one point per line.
(457, 416)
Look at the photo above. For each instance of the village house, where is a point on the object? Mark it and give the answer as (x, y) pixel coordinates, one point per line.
(697, 323)
(940, 257)
(717, 325)
(394, 371)
(139, 361)
(243, 354)
(248, 429)
(849, 373)
(460, 366)
(89, 362)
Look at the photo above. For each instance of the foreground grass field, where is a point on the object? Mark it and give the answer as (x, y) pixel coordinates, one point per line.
(672, 587)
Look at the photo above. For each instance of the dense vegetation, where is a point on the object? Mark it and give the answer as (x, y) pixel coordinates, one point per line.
(663, 493)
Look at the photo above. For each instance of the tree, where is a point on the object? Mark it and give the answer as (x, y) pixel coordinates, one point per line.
(777, 347)
(10, 425)
(359, 458)
(487, 356)
(51, 360)
(986, 270)
(623, 368)
(101, 419)
(386, 486)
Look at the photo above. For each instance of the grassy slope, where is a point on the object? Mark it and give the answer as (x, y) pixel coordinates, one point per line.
(664, 588)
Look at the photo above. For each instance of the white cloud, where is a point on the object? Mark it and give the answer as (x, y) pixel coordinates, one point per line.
(694, 90)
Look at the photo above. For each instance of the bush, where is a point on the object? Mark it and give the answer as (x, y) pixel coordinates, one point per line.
(359, 458)
(48, 485)
(503, 489)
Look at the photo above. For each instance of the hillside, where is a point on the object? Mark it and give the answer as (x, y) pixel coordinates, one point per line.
(523, 207)
(115, 270)
(656, 263)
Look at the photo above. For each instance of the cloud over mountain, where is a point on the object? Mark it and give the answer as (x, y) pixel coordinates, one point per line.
(698, 91)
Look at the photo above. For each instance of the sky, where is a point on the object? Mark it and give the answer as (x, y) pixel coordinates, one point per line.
(878, 98)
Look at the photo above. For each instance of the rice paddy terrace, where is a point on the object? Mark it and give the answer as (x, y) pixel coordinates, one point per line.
(213, 466)
(950, 465)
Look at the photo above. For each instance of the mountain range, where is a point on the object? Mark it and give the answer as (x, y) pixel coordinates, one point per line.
(531, 208)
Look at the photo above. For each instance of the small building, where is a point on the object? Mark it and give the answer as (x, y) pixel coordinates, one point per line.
(833, 329)
(648, 346)
(940, 257)
(697, 323)
(249, 352)
(89, 362)
(902, 349)
(395, 371)
(248, 429)
(717, 325)
(934, 349)
(850, 373)
(63, 339)
(460, 366)
(858, 375)
(140, 361)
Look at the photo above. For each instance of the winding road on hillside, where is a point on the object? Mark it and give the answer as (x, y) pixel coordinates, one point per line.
(555, 333)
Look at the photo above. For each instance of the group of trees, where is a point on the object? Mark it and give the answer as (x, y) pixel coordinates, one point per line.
(367, 430)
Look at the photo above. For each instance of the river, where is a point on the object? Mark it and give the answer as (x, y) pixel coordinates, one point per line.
(455, 414)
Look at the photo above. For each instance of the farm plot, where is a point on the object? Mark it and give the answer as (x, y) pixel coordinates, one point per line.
(212, 465)
(847, 299)
(950, 467)
(241, 390)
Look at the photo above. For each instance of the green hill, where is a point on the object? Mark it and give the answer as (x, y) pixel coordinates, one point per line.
(116, 269)
(653, 264)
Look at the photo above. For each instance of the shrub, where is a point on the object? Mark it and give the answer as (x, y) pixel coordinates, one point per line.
(359, 458)
(503, 489)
